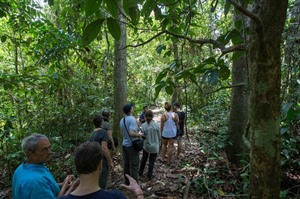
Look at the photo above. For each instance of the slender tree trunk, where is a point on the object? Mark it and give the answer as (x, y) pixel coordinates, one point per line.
(175, 95)
(264, 70)
(16, 54)
(239, 110)
(105, 60)
(120, 75)
(236, 149)
(291, 54)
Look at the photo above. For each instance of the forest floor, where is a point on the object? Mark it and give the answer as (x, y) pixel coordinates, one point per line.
(184, 178)
(193, 174)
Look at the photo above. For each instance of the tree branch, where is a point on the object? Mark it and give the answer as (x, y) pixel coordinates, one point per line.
(200, 41)
(245, 12)
(249, 14)
(226, 87)
(240, 47)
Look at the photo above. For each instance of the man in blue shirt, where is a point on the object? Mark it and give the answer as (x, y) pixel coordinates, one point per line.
(32, 180)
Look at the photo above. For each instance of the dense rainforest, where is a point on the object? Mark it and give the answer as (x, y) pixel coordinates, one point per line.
(232, 64)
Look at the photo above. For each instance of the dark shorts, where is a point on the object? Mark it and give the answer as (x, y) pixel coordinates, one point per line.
(168, 138)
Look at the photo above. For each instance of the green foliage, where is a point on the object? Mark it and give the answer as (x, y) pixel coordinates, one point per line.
(114, 28)
(56, 80)
(291, 137)
(91, 31)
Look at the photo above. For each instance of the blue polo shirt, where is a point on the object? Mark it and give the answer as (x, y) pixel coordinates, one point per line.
(34, 181)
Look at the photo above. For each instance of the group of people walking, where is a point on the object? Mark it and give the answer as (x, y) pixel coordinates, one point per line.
(154, 136)
(93, 159)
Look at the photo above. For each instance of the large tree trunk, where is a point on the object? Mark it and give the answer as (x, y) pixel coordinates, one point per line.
(236, 149)
(120, 76)
(264, 70)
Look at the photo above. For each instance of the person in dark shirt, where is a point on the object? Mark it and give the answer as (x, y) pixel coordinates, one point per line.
(99, 135)
(88, 163)
(112, 141)
(142, 117)
(181, 123)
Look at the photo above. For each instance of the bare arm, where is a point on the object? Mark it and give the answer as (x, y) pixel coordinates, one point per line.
(134, 134)
(162, 122)
(106, 153)
(176, 119)
(110, 137)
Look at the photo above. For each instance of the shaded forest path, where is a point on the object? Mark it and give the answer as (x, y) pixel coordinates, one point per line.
(172, 182)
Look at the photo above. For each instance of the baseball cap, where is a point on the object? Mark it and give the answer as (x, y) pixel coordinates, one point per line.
(127, 108)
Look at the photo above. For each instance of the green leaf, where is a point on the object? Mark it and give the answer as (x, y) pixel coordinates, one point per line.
(211, 76)
(224, 72)
(168, 53)
(160, 48)
(283, 130)
(238, 24)
(112, 7)
(2, 14)
(235, 36)
(50, 2)
(148, 7)
(237, 40)
(172, 65)
(160, 76)
(8, 125)
(167, 2)
(211, 60)
(91, 6)
(8, 86)
(200, 69)
(158, 88)
(227, 7)
(293, 114)
(91, 31)
(231, 34)
(131, 3)
(157, 13)
(184, 74)
(169, 89)
(134, 14)
(55, 76)
(165, 22)
(114, 28)
(3, 38)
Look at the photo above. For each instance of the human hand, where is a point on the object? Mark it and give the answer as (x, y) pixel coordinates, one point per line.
(73, 186)
(111, 165)
(133, 186)
(66, 184)
(140, 135)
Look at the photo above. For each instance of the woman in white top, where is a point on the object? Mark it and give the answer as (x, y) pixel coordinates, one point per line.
(168, 126)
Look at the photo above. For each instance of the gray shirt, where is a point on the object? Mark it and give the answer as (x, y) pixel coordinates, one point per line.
(152, 132)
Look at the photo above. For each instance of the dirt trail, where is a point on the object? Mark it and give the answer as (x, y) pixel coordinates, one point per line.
(169, 181)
